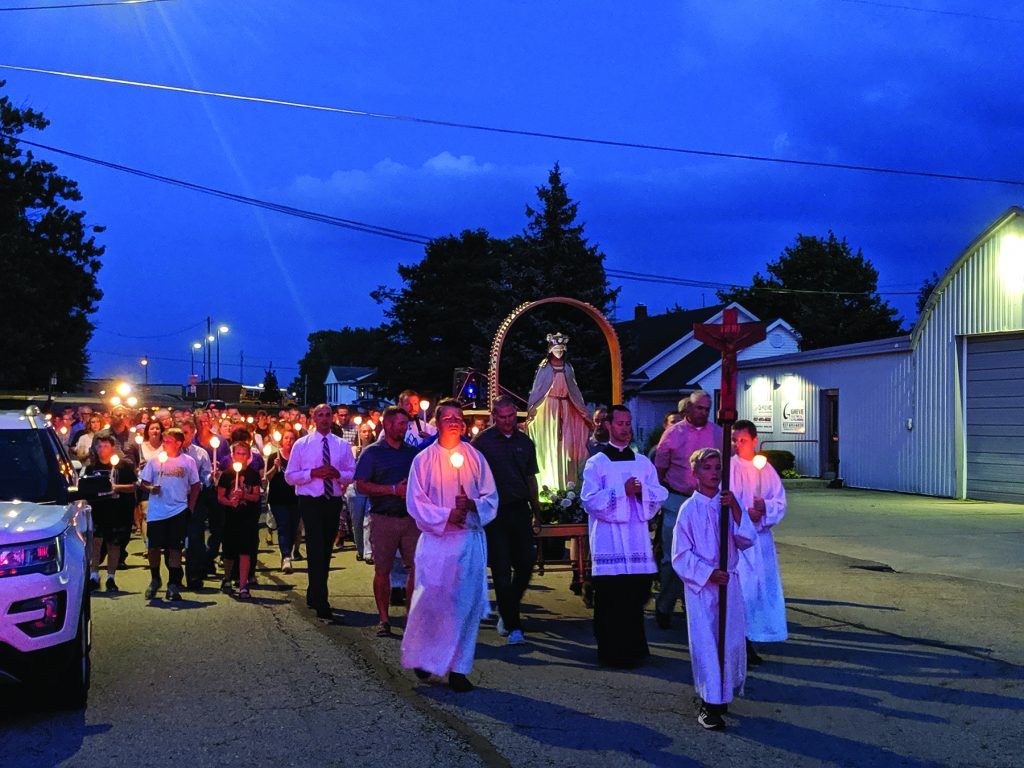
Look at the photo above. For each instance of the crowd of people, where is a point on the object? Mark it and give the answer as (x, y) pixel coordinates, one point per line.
(431, 509)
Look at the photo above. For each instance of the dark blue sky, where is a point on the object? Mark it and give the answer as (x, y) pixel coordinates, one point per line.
(839, 81)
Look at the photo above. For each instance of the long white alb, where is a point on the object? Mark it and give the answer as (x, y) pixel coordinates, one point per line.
(450, 598)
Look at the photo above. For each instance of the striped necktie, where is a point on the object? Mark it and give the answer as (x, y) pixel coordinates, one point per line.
(328, 489)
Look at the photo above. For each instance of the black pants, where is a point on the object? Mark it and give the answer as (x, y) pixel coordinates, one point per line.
(619, 618)
(320, 517)
(511, 555)
(196, 559)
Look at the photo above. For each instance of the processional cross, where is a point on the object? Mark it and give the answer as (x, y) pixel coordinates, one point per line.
(729, 337)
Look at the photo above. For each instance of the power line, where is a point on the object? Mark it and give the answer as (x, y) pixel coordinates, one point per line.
(670, 280)
(174, 359)
(961, 14)
(410, 236)
(157, 336)
(524, 132)
(64, 6)
(358, 226)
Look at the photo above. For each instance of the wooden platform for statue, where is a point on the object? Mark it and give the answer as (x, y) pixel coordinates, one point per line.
(579, 566)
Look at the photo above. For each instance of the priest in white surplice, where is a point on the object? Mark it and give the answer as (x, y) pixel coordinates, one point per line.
(760, 492)
(621, 493)
(451, 495)
(695, 559)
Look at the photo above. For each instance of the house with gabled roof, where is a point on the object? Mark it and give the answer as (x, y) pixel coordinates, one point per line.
(346, 384)
(662, 361)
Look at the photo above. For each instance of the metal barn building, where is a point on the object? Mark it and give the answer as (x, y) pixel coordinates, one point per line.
(938, 412)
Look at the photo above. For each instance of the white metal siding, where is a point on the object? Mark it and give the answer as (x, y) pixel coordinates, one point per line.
(874, 405)
(995, 418)
(974, 301)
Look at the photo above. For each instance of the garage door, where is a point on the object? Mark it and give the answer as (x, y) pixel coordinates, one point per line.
(995, 418)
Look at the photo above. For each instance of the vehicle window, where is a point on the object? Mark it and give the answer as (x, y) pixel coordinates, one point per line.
(28, 470)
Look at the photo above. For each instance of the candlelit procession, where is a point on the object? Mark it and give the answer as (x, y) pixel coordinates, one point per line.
(511, 384)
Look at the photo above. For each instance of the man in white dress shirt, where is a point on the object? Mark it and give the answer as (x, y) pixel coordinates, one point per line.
(321, 467)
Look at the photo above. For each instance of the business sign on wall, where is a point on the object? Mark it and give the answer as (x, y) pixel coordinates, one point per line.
(764, 416)
(793, 418)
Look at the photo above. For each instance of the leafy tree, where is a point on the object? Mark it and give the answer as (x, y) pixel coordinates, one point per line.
(48, 264)
(827, 292)
(440, 319)
(350, 346)
(925, 292)
(271, 391)
(452, 302)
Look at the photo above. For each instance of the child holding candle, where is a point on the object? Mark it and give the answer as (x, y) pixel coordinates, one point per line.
(761, 493)
(238, 493)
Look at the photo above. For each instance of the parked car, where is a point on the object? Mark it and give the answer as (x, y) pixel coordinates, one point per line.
(45, 552)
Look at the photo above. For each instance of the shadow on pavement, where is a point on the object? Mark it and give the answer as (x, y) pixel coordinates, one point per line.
(565, 728)
(59, 740)
(794, 601)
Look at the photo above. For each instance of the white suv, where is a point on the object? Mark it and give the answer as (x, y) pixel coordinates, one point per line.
(45, 548)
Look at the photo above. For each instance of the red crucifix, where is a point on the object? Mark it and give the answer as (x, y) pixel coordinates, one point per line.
(729, 337)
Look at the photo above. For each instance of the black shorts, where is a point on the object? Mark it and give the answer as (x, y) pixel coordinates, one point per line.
(169, 533)
(113, 524)
(241, 531)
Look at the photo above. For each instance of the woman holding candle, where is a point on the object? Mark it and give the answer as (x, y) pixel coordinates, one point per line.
(757, 486)
(238, 493)
(281, 497)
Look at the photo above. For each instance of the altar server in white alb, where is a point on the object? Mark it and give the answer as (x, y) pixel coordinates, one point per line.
(695, 559)
(451, 495)
(621, 493)
(760, 492)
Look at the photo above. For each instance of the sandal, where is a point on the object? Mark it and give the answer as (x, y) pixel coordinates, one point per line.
(243, 593)
(384, 629)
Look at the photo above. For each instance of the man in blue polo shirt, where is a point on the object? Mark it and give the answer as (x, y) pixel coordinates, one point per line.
(381, 474)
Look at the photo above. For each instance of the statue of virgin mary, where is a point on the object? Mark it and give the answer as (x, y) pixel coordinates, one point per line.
(557, 419)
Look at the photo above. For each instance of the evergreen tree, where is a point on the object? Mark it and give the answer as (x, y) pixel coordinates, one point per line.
(48, 264)
(271, 391)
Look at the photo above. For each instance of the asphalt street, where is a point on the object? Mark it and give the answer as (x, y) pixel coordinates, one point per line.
(889, 662)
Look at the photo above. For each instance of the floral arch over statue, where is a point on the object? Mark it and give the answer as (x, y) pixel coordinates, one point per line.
(590, 310)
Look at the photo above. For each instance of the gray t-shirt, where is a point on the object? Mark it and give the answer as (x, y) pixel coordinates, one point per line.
(175, 479)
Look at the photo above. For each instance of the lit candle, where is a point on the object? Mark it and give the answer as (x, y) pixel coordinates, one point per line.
(298, 426)
(424, 406)
(267, 450)
(760, 460)
(357, 420)
(237, 466)
(114, 461)
(138, 443)
(277, 436)
(162, 456)
(475, 430)
(457, 460)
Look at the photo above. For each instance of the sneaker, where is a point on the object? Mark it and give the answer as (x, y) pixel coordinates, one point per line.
(94, 583)
(383, 629)
(286, 565)
(515, 637)
(422, 674)
(111, 584)
(225, 586)
(153, 588)
(173, 592)
(243, 593)
(501, 627)
(710, 721)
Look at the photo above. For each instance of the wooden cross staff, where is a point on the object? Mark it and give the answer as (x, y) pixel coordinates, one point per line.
(729, 337)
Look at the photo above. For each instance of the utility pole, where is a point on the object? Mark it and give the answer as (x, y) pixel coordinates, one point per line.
(241, 367)
(208, 358)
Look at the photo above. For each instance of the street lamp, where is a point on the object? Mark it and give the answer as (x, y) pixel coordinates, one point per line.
(195, 345)
(144, 362)
(220, 329)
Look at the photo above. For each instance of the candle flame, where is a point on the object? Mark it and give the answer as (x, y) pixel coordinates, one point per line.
(277, 436)
(237, 466)
(138, 439)
(298, 426)
(215, 442)
(424, 405)
(115, 460)
(457, 460)
(267, 450)
(760, 461)
(357, 420)
(162, 456)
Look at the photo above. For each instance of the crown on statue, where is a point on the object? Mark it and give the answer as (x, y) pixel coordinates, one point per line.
(557, 339)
